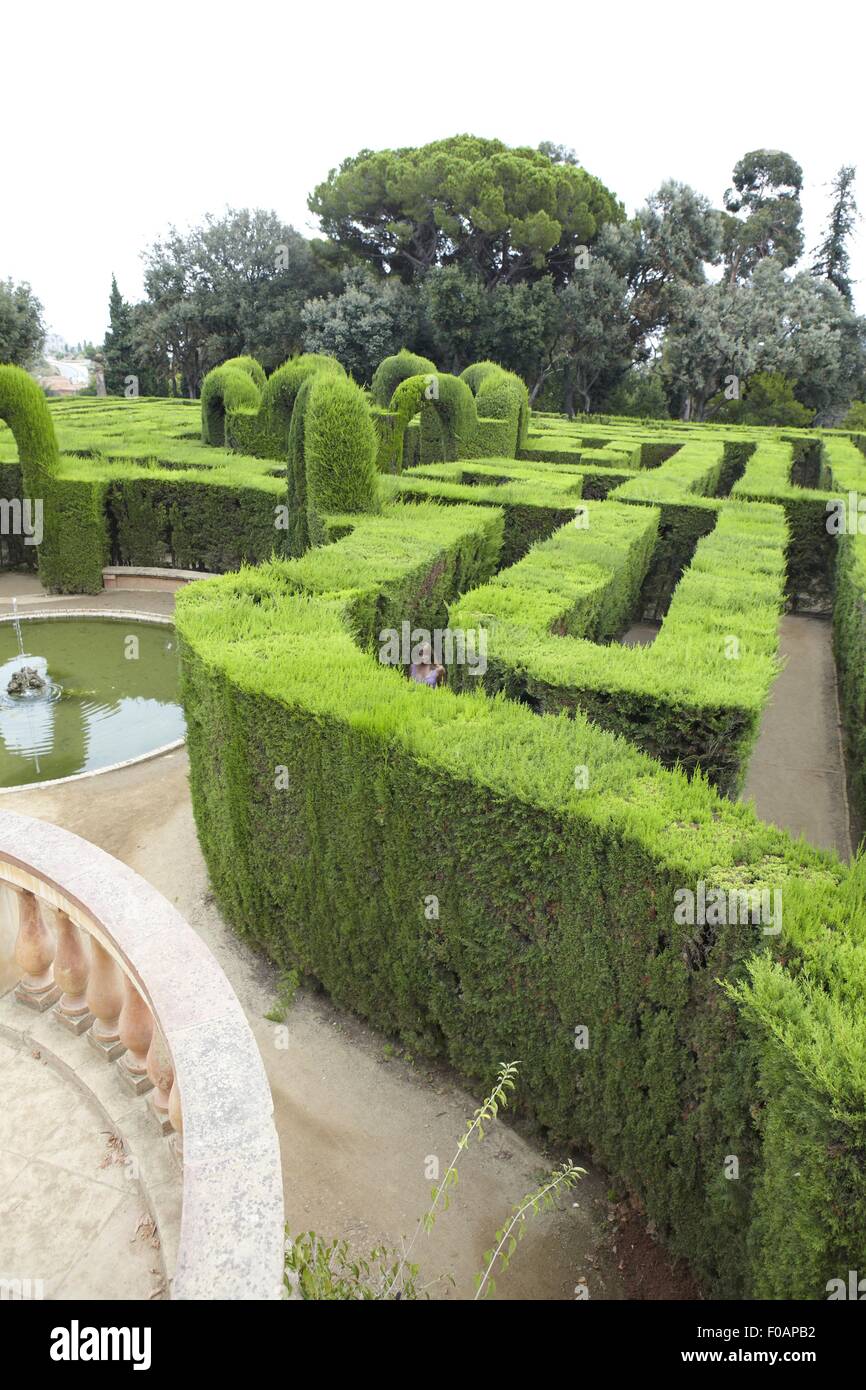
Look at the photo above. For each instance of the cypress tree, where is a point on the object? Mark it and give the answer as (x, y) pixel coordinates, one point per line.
(117, 348)
(832, 261)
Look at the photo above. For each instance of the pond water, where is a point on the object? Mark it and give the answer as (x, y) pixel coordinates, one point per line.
(110, 693)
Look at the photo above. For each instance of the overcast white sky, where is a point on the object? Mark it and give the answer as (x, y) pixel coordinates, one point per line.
(118, 120)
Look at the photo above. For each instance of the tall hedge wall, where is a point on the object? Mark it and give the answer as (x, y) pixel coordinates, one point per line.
(340, 448)
(431, 858)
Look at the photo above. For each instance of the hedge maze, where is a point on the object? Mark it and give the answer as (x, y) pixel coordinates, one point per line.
(498, 868)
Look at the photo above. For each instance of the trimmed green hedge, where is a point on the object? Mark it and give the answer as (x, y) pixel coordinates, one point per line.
(14, 553)
(535, 503)
(483, 413)
(804, 1021)
(244, 411)
(392, 370)
(844, 471)
(768, 477)
(229, 387)
(685, 488)
(695, 697)
(502, 404)
(340, 449)
(23, 407)
(448, 416)
(430, 858)
(849, 641)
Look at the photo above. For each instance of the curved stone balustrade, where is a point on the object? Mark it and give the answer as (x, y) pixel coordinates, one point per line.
(120, 967)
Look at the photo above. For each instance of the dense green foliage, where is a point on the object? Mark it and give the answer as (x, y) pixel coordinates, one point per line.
(235, 284)
(340, 448)
(336, 801)
(24, 409)
(768, 399)
(845, 470)
(392, 370)
(22, 332)
(465, 249)
(134, 485)
(229, 387)
(506, 213)
(333, 798)
(243, 410)
(832, 259)
(118, 352)
(694, 698)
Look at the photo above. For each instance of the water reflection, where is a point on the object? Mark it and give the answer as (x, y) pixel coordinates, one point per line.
(111, 695)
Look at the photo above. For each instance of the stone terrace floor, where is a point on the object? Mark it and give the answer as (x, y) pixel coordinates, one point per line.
(70, 1215)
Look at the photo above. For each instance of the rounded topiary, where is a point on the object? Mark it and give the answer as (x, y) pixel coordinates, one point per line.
(449, 401)
(228, 387)
(24, 408)
(476, 372)
(340, 447)
(283, 385)
(249, 365)
(499, 395)
(392, 370)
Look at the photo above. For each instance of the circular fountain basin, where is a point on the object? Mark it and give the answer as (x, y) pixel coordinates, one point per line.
(111, 695)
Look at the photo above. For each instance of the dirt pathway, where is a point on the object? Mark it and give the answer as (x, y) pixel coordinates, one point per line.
(796, 774)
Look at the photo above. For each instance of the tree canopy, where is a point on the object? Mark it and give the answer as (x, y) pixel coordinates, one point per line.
(22, 332)
(506, 214)
(465, 250)
(763, 212)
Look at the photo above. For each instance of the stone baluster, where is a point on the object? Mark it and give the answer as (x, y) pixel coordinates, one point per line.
(105, 1000)
(176, 1116)
(34, 953)
(161, 1072)
(71, 969)
(136, 1031)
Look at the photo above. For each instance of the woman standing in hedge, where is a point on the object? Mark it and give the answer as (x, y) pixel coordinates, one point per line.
(426, 671)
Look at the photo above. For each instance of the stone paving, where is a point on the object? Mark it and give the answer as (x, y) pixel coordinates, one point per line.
(72, 1220)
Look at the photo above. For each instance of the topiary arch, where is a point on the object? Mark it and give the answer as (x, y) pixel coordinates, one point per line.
(448, 415)
(231, 386)
(392, 370)
(24, 408)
